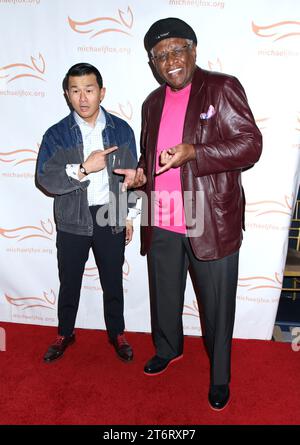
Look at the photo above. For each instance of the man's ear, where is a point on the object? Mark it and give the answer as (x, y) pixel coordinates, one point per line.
(102, 94)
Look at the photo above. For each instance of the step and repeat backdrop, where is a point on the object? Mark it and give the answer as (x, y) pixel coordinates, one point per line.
(258, 41)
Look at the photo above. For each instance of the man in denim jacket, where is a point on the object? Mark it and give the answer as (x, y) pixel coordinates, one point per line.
(75, 165)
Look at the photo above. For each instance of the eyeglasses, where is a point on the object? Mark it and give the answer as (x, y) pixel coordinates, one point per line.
(176, 53)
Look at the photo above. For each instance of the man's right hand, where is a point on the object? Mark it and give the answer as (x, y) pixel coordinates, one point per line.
(133, 178)
(96, 160)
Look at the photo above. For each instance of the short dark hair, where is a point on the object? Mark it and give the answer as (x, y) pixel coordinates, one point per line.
(81, 69)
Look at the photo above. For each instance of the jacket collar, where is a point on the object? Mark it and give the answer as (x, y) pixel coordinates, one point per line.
(195, 104)
(197, 81)
(108, 118)
(194, 107)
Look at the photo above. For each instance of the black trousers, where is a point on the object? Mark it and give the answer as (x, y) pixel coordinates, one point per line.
(169, 259)
(72, 254)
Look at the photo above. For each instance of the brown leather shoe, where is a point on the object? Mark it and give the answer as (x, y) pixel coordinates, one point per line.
(57, 348)
(122, 348)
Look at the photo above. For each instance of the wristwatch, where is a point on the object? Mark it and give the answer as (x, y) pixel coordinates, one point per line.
(83, 170)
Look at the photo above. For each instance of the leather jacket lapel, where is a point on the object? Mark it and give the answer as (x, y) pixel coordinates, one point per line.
(153, 122)
(195, 106)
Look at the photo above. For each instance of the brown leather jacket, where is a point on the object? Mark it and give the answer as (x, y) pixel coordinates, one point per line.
(225, 144)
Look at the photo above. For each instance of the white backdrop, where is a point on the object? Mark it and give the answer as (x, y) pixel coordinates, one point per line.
(255, 40)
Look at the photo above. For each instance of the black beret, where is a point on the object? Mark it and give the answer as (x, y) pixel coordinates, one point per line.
(167, 28)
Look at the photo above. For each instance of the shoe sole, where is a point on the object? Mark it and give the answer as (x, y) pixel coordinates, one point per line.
(161, 372)
(221, 409)
(60, 356)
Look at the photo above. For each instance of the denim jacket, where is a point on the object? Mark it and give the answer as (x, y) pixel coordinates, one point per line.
(62, 144)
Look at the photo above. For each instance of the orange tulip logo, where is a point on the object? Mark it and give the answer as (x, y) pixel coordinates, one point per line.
(260, 208)
(124, 112)
(298, 123)
(47, 301)
(277, 31)
(45, 230)
(93, 274)
(100, 25)
(253, 283)
(18, 70)
(17, 157)
(215, 66)
(261, 123)
(193, 310)
(126, 270)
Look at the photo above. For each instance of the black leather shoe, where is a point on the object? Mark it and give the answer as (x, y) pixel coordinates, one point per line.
(122, 347)
(218, 396)
(157, 365)
(57, 349)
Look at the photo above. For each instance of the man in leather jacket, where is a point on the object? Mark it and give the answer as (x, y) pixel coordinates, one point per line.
(198, 135)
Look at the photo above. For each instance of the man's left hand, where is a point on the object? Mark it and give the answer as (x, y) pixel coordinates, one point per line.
(176, 156)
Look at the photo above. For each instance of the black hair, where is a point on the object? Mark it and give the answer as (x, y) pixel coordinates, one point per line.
(81, 69)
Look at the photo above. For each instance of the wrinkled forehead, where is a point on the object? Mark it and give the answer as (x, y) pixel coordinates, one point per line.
(167, 44)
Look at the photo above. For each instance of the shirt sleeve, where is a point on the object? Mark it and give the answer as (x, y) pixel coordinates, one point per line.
(133, 212)
(72, 171)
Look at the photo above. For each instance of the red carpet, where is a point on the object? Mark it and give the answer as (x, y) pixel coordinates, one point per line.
(89, 385)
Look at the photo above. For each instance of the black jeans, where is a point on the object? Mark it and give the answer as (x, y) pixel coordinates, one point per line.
(169, 258)
(72, 254)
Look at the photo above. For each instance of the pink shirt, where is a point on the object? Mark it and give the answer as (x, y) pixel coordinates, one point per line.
(169, 212)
